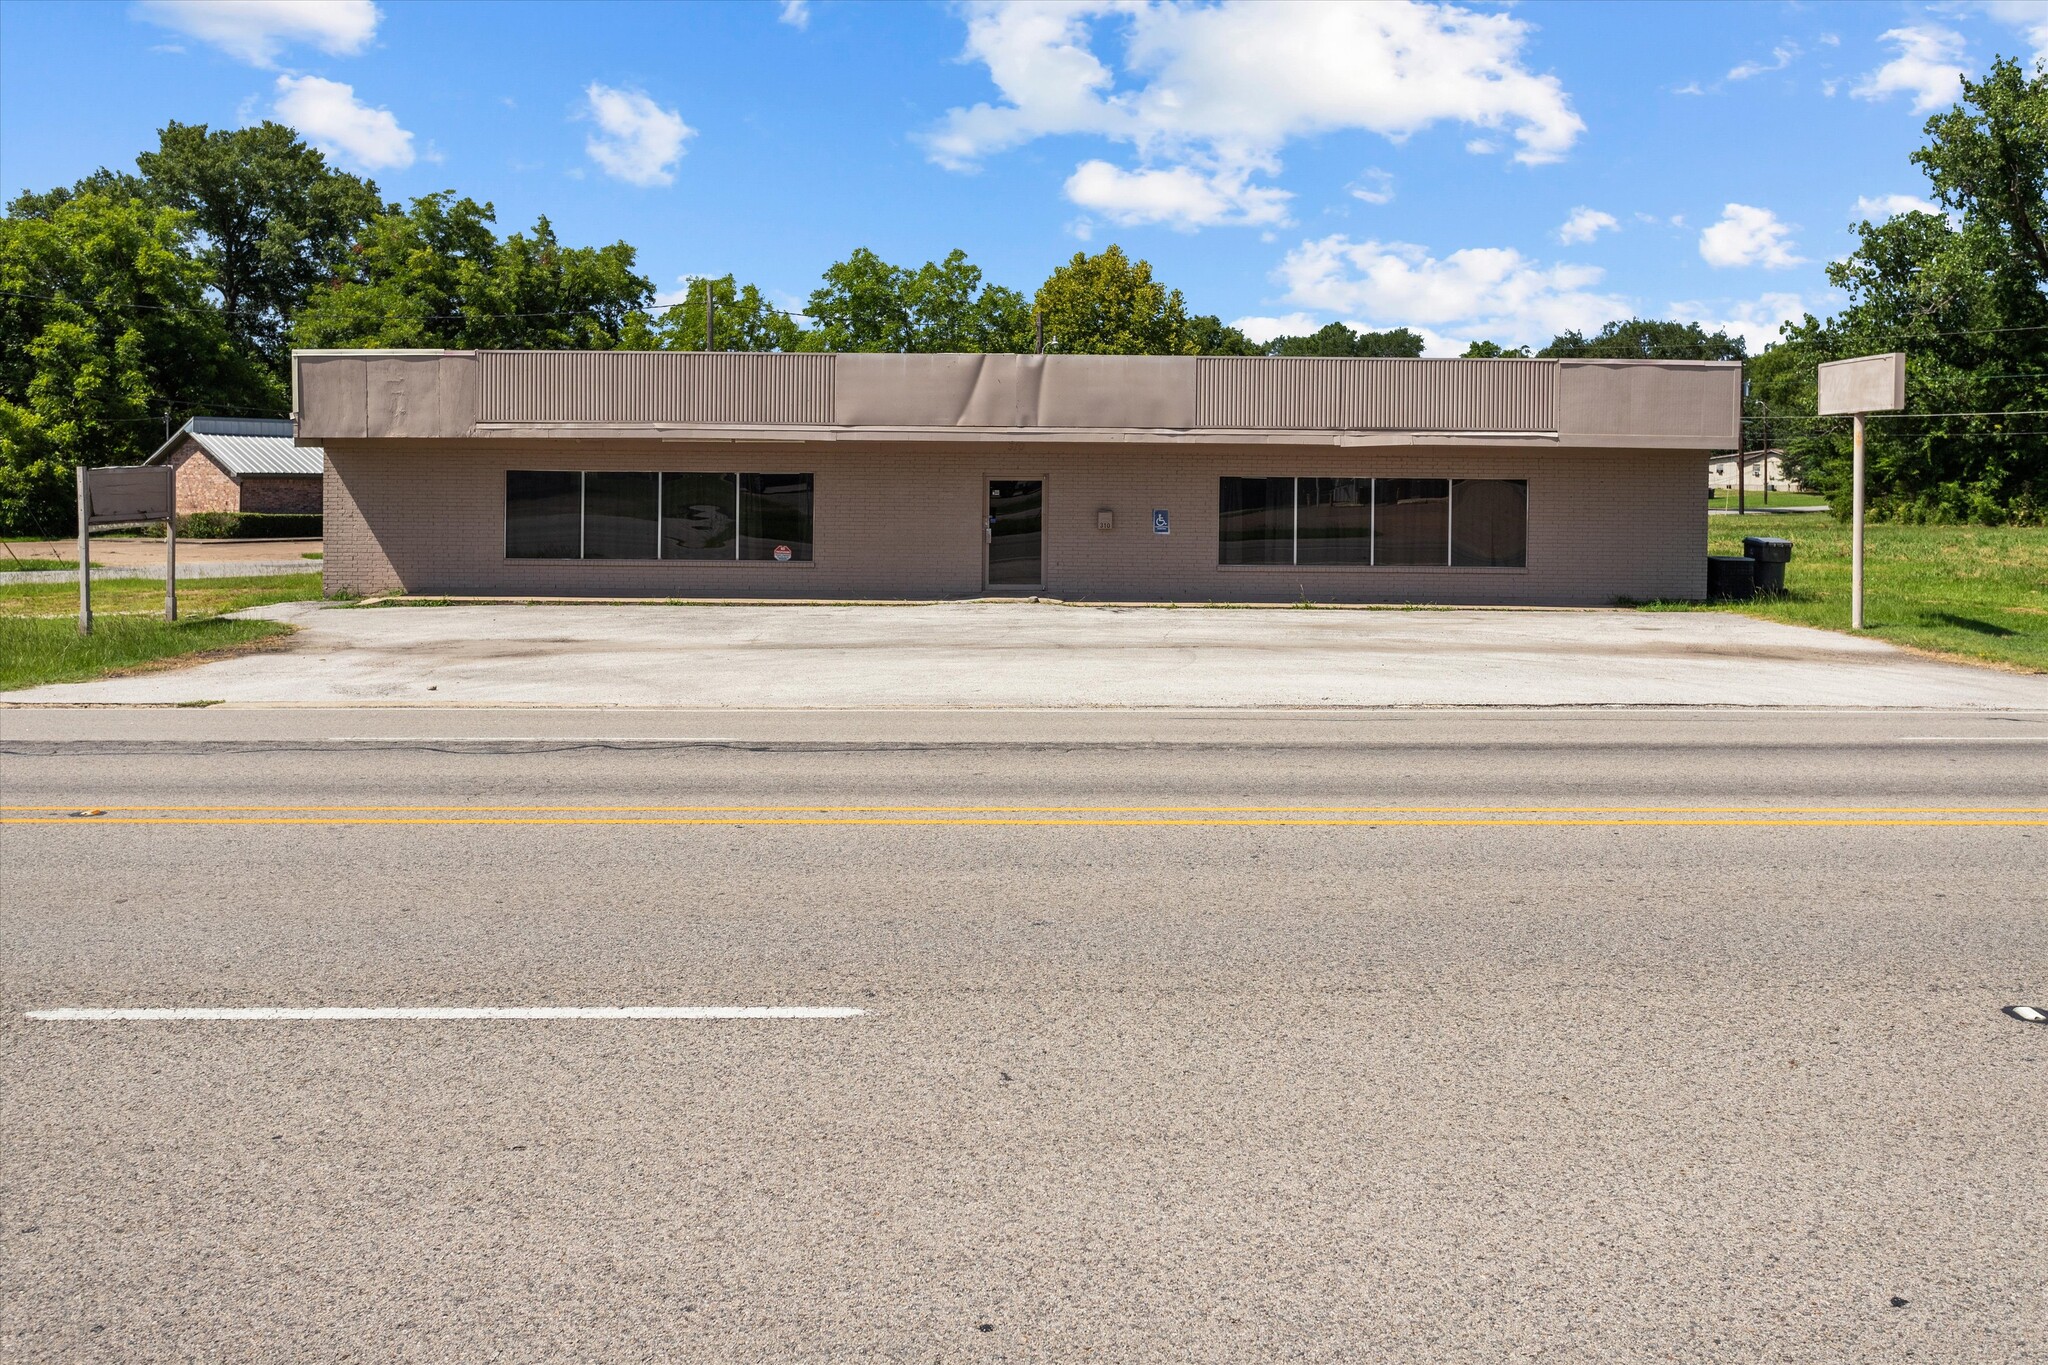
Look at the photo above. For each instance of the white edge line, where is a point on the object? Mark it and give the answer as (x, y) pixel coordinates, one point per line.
(350, 1013)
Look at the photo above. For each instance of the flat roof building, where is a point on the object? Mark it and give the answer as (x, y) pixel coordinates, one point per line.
(1108, 478)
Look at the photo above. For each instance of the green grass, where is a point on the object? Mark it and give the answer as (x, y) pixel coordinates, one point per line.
(9, 564)
(1978, 593)
(1724, 501)
(317, 554)
(40, 643)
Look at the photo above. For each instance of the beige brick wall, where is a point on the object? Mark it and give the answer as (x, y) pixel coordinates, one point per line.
(907, 522)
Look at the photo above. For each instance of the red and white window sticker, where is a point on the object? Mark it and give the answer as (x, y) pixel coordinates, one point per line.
(782, 554)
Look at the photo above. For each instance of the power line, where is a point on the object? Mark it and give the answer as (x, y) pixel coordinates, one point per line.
(1901, 416)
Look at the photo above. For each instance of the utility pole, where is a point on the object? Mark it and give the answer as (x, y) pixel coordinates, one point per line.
(1038, 326)
(709, 344)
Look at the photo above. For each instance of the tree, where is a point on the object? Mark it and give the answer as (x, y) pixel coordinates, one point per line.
(274, 220)
(1210, 335)
(437, 275)
(1645, 339)
(744, 321)
(1108, 304)
(1493, 350)
(104, 327)
(1965, 295)
(1335, 339)
(867, 304)
(269, 218)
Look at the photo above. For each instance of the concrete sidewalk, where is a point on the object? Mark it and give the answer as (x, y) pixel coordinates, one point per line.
(1026, 654)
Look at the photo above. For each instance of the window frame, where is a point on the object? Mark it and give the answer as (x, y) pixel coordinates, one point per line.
(660, 505)
(1447, 564)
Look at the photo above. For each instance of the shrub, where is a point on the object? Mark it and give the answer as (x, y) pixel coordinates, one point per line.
(246, 525)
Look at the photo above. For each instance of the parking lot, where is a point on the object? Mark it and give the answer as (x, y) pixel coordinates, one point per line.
(1040, 654)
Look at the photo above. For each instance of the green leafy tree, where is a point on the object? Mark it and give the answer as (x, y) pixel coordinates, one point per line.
(1109, 304)
(438, 275)
(1493, 350)
(1964, 294)
(105, 325)
(269, 218)
(1336, 339)
(743, 320)
(866, 304)
(274, 220)
(1646, 339)
(1210, 335)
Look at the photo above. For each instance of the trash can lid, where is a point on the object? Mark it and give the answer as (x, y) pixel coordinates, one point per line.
(1771, 549)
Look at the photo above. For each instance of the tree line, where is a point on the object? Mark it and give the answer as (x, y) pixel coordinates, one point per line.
(132, 300)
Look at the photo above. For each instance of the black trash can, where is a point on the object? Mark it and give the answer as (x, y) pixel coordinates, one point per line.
(1730, 578)
(1771, 555)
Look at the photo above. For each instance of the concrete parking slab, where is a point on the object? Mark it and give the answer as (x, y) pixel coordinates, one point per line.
(1026, 654)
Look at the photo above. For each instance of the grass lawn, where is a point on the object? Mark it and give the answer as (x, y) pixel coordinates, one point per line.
(9, 564)
(1724, 501)
(40, 643)
(1970, 592)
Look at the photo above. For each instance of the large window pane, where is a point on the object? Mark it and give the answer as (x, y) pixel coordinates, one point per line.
(1411, 521)
(1490, 522)
(619, 517)
(543, 514)
(1333, 521)
(775, 510)
(1256, 524)
(699, 516)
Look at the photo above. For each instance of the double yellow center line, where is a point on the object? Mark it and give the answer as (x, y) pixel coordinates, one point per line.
(1086, 816)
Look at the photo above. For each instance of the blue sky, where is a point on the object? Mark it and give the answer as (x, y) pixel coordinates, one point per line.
(1471, 171)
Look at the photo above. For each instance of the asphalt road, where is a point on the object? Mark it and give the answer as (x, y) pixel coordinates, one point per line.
(1584, 1036)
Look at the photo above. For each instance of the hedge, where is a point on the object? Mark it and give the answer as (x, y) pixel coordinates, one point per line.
(246, 525)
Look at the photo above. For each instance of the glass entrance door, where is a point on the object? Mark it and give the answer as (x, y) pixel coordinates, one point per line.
(1016, 518)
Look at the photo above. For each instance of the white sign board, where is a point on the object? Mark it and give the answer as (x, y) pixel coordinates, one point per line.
(131, 493)
(1870, 383)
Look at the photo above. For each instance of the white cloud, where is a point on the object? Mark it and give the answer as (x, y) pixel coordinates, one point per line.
(637, 140)
(258, 31)
(1756, 321)
(1878, 207)
(2030, 17)
(1492, 292)
(1180, 197)
(1928, 67)
(1747, 235)
(1585, 224)
(1217, 91)
(1689, 88)
(795, 13)
(1781, 57)
(1264, 329)
(328, 114)
(1374, 186)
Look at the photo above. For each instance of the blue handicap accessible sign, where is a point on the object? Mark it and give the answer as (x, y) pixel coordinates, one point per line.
(1159, 524)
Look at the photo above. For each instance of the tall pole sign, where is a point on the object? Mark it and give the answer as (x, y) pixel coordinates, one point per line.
(1854, 388)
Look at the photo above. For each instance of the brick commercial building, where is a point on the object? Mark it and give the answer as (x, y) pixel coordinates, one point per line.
(1103, 478)
(241, 464)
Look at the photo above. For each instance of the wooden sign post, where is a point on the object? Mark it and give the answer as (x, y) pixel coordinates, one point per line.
(118, 496)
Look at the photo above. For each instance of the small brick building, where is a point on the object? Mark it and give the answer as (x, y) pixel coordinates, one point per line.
(1121, 478)
(242, 464)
